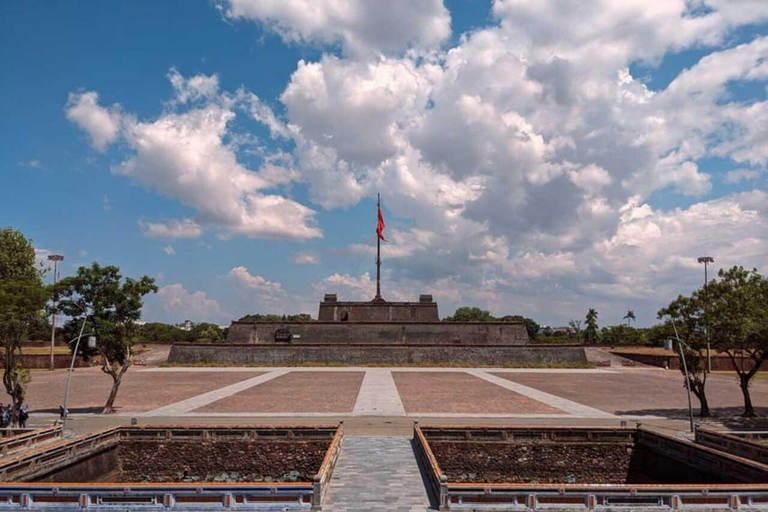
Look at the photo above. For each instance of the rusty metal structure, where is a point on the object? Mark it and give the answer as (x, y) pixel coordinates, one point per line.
(19, 492)
(604, 497)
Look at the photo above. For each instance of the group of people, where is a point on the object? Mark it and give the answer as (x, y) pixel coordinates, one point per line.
(7, 419)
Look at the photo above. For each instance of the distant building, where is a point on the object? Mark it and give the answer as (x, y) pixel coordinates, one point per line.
(186, 325)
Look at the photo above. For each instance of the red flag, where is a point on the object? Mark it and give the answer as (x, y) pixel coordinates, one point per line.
(380, 225)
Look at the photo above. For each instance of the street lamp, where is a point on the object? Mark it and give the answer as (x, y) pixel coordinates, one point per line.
(55, 258)
(706, 260)
(91, 344)
(680, 344)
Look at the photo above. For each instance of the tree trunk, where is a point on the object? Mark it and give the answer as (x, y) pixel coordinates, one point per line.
(698, 390)
(749, 410)
(116, 380)
(13, 380)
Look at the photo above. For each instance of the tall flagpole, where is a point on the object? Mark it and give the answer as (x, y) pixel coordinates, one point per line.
(378, 252)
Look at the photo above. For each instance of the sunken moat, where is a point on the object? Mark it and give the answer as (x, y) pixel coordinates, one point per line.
(206, 461)
(467, 468)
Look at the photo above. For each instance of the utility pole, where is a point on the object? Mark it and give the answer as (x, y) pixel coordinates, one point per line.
(706, 260)
(55, 258)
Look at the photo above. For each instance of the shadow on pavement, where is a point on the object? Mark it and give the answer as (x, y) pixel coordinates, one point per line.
(729, 417)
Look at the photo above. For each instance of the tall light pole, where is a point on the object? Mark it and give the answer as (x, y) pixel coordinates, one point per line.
(55, 258)
(706, 260)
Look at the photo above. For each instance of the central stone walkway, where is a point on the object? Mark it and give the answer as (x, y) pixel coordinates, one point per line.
(377, 474)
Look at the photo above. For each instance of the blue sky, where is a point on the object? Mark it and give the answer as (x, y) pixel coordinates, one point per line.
(533, 157)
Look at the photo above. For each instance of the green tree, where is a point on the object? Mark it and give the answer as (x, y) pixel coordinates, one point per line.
(621, 334)
(736, 308)
(156, 331)
(687, 315)
(470, 314)
(110, 306)
(591, 331)
(530, 325)
(206, 331)
(22, 299)
(630, 316)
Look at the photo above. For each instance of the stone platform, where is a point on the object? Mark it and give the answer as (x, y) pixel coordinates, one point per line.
(362, 354)
(391, 333)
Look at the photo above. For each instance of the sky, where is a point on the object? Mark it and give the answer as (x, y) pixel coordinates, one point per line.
(534, 157)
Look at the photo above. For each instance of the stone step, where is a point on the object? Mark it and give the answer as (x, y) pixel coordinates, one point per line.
(377, 474)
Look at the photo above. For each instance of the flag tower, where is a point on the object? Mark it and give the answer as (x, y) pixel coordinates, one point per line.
(380, 225)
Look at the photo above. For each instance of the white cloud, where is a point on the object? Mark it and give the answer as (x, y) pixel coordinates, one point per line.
(32, 164)
(348, 287)
(183, 155)
(101, 124)
(361, 26)
(175, 228)
(255, 282)
(306, 258)
(738, 175)
(196, 88)
(168, 249)
(180, 304)
(523, 161)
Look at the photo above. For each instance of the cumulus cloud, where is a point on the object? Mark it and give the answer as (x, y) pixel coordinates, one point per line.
(348, 287)
(175, 228)
(255, 282)
(524, 160)
(306, 258)
(179, 304)
(738, 175)
(101, 124)
(198, 87)
(183, 155)
(360, 26)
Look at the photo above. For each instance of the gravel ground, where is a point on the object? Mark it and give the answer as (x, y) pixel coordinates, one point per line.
(236, 461)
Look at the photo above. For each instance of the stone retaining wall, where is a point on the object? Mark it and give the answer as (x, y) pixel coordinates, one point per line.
(411, 333)
(292, 355)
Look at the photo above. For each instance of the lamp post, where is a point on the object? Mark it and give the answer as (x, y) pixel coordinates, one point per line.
(91, 344)
(706, 260)
(680, 344)
(55, 258)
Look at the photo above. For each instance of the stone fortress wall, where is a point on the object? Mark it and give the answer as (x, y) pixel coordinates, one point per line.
(407, 333)
(333, 310)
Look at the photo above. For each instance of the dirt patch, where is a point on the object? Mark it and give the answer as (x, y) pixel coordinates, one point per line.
(598, 463)
(220, 461)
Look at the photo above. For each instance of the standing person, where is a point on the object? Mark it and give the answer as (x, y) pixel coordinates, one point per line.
(3, 423)
(23, 416)
(8, 415)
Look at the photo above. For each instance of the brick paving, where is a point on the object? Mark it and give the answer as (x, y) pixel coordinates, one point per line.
(642, 392)
(296, 392)
(377, 474)
(140, 390)
(462, 393)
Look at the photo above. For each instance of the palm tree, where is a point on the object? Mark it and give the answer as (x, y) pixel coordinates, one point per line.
(590, 329)
(630, 316)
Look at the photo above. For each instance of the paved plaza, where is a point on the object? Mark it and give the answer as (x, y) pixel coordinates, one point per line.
(377, 469)
(546, 394)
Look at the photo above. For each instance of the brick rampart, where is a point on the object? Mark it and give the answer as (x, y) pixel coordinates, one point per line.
(395, 355)
(411, 333)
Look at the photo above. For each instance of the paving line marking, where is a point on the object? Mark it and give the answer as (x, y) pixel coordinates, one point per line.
(569, 406)
(378, 395)
(196, 402)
